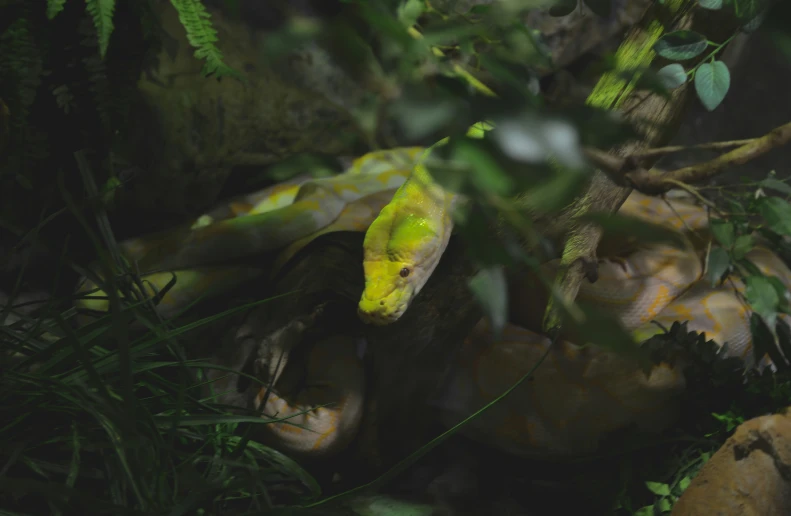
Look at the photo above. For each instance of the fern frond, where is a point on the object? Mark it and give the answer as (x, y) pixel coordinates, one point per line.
(102, 13)
(21, 68)
(96, 69)
(54, 7)
(202, 36)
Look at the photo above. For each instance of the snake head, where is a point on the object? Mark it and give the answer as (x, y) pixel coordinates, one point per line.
(401, 249)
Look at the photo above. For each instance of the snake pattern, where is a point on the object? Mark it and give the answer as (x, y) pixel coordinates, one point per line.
(579, 395)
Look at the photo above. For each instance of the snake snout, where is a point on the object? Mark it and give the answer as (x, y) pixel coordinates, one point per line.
(373, 312)
(379, 311)
(372, 317)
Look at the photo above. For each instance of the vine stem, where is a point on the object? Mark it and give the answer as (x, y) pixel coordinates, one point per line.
(401, 466)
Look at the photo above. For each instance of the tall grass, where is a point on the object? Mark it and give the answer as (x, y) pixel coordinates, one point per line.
(104, 418)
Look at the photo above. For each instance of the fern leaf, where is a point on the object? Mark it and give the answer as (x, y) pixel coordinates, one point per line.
(102, 13)
(202, 36)
(96, 68)
(21, 67)
(54, 7)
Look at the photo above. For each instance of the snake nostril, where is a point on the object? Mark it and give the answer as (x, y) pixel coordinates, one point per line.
(381, 303)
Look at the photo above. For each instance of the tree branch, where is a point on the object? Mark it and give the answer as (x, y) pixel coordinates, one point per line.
(627, 170)
(656, 116)
(672, 149)
(657, 181)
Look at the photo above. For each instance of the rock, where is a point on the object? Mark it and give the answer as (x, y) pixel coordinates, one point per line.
(749, 475)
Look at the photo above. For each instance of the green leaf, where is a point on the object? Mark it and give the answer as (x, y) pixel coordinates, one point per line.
(749, 9)
(754, 24)
(101, 12)
(384, 505)
(763, 298)
(410, 10)
(480, 9)
(664, 505)
(646, 79)
(484, 172)
(723, 231)
(764, 339)
(777, 214)
(684, 483)
(420, 119)
(563, 8)
(681, 45)
(710, 4)
(781, 290)
(601, 7)
(712, 81)
(743, 245)
(718, 265)
(202, 36)
(672, 76)
(731, 421)
(490, 288)
(54, 7)
(658, 488)
(776, 185)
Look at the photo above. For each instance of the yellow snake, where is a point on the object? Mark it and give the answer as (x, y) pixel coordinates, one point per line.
(282, 218)
(578, 396)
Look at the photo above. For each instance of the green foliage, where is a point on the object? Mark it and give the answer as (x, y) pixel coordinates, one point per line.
(681, 45)
(777, 23)
(777, 214)
(21, 67)
(99, 449)
(566, 7)
(129, 429)
(666, 494)
(711, 77)
(128, 422)
(672, 76)
(722, 392)
(202, 36)
(712, 81)
(101, 12)
(192, 14)
(54, 7)
(490, 287)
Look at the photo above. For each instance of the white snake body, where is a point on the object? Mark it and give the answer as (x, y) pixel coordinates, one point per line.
(579, 395)
(334, 376)
(269, 226)
(582, 393)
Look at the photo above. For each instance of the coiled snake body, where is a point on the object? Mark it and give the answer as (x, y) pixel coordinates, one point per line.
(580, 394)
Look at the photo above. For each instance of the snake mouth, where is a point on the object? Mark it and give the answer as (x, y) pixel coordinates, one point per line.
(383, 310)
(378, 317)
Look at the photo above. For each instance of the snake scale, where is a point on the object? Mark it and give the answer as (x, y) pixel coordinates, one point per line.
(579, 395)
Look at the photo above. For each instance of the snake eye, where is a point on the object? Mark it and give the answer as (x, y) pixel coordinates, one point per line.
(404, 272)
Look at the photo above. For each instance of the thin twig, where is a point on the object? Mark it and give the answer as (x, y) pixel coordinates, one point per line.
(673, 149)
(657, 181)
(693, 191)
(626, 170)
